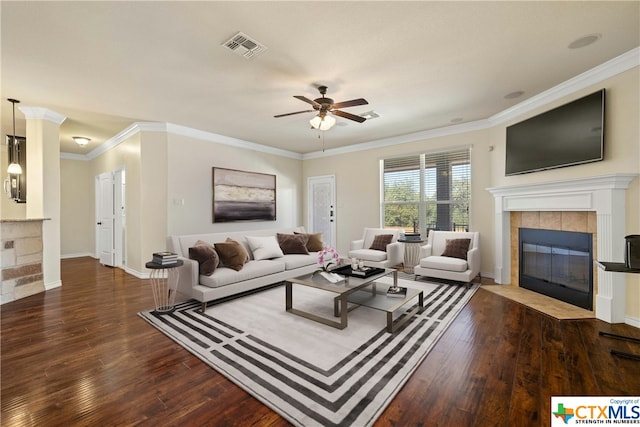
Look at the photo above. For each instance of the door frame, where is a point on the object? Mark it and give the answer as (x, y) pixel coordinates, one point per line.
(119, 204)
(331, 180)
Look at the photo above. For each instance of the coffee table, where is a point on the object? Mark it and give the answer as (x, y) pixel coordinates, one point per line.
(355, 290)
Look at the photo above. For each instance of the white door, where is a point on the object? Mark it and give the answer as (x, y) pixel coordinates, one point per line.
(105, 219)
(321, 207)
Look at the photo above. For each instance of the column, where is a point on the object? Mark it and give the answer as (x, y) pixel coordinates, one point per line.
(43, 184)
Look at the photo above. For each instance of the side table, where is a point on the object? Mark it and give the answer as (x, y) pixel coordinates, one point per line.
(164, 286)
(411, 253)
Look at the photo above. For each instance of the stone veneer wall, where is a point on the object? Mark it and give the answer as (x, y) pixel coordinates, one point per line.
(21, 258)
(580, 221)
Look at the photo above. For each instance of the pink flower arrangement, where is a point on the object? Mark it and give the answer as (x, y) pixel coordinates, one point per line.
(327, 257)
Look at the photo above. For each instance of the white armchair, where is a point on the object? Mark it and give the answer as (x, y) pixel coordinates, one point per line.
(388, 258)
(434, 264)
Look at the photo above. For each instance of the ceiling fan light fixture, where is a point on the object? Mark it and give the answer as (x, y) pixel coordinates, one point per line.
(81, 140)
(322, 123)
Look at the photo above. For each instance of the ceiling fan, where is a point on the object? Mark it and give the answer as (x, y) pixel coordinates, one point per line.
(325, 105)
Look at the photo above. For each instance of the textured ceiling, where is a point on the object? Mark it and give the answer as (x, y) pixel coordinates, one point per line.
(420, 65)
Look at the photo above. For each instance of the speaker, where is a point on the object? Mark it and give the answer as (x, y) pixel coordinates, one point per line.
(632, 251)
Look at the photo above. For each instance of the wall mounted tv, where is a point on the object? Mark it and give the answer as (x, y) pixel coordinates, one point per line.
(568, 135)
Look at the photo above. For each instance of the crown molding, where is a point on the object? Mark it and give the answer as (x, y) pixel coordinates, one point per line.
(42, 113)
(403, 139)
(227, 140)
(620, 64)
(174, 129)
(591, 77)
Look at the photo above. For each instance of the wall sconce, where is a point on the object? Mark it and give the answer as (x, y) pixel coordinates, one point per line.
(81, 140)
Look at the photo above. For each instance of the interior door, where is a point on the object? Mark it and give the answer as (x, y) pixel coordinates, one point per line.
(321, 207)
(105, 219)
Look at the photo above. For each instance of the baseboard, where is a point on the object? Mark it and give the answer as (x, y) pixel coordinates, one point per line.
(52, 285)
(77, 255)
(135, 273)
(633, 321)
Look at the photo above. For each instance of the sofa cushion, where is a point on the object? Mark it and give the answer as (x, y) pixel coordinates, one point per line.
(444, 263)
(293, 243)
(293, 261)
(381, 241)
(206, 256)
(232, 254)
(368, 254)
(253, 269)
(457, 248)
(315, 243)
(264, 247)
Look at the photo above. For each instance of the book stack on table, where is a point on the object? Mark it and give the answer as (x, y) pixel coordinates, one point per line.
(165, 258)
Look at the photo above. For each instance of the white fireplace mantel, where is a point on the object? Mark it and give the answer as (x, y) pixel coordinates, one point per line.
(603, 194)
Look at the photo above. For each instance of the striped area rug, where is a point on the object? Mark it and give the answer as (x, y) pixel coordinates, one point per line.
(310, 373)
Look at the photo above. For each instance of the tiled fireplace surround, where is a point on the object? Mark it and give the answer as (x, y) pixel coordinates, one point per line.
(593, 205)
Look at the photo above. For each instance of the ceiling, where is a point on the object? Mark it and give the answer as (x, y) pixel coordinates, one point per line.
(420, 65)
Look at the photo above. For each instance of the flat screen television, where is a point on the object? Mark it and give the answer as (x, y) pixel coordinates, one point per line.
(568, 135)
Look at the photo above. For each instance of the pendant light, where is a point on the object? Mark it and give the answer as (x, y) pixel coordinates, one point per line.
(14, 168)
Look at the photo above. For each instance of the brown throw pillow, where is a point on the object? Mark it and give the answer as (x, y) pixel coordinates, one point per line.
(457, 248)
(315, 243)
(381, 241)
(232, 254)
(293, 243)
(206, 256)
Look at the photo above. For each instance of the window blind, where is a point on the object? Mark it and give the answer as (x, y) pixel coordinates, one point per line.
(427, 191)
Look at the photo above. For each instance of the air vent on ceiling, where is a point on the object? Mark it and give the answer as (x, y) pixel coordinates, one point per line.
(370, 115)
(243, 45)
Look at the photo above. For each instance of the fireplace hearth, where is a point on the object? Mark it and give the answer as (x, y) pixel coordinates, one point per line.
(557, 264)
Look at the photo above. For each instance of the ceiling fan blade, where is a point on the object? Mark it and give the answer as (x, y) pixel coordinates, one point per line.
(297, 112)
(348, 116)
(308, 101)
(352, 103)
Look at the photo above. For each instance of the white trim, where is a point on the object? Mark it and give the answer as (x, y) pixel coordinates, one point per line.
(136, 273)
(620, 64)
(633, 321)
(77, 255)
(52, 285)
(42, 114)
(615, 66)
(603, 194)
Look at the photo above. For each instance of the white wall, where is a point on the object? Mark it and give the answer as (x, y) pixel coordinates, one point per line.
(76, 208)
(190, 181)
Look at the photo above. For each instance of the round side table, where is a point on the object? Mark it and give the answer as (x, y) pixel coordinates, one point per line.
(411, 253)
(164, 286)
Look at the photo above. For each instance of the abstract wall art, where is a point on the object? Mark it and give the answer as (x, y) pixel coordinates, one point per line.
(243, 196)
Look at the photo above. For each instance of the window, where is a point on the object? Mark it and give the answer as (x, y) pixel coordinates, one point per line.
(427, 191)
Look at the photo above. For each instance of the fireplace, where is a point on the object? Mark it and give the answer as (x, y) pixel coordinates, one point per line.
(557, 264)
(604, 195)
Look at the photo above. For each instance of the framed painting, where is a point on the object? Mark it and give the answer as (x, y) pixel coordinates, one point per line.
(243, 196)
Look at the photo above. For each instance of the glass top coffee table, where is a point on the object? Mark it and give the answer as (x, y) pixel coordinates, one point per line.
(357, 290)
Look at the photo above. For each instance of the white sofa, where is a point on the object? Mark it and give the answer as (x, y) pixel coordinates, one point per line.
(390, 258)
(225, 281)
(433, 264)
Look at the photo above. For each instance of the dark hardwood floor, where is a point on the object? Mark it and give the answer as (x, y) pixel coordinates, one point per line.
(80, 356)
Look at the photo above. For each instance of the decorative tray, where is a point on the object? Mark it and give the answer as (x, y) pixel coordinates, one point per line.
(365, 272)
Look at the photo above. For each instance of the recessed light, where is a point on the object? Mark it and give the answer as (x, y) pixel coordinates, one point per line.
(585, 41)
(513, 95)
